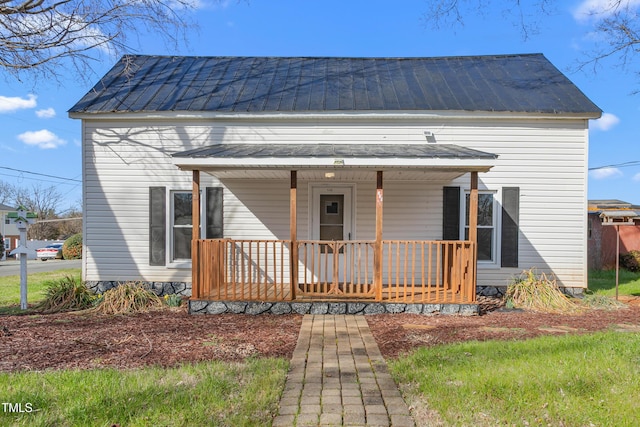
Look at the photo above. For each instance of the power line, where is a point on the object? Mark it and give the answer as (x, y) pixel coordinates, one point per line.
(618, 165)
(41, 174)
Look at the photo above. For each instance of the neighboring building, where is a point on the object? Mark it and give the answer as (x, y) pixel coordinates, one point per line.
(298, 152)
(9, 231)
(602, 239)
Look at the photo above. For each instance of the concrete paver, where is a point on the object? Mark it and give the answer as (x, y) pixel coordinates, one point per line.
(339, 378)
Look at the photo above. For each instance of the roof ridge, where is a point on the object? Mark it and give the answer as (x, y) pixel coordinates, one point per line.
(445, 57)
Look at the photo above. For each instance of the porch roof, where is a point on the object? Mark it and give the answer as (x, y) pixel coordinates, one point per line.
(444, 157)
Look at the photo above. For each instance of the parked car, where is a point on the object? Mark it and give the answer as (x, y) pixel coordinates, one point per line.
(51, 251)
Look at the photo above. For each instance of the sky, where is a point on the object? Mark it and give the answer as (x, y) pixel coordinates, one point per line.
(40, 144)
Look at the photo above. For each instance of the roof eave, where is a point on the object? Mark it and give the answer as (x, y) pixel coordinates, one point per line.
(306, 115)
(215, 163)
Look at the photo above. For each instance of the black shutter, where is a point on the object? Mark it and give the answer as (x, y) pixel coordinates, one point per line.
(510, 218)
(157, 226)
(214, 213)
(451, 213)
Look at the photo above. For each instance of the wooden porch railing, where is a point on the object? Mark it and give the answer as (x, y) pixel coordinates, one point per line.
(260, 270)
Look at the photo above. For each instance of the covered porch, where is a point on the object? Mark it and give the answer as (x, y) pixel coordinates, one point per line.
(326, 269)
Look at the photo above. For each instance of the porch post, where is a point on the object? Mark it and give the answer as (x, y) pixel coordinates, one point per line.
(293, 234)
(473, 232)
(473, 208)
(377, 257)
(196, 286)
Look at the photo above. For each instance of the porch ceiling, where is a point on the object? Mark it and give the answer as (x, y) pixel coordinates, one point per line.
(346, 161)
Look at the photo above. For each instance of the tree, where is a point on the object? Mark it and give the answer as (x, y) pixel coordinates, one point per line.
(6, 190)
(44, 201)
(38, 36)
(615, 22)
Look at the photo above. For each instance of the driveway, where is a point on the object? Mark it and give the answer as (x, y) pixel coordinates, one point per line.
(12, 267)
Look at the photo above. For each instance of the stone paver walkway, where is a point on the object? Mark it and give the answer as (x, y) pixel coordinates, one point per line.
(339, 378)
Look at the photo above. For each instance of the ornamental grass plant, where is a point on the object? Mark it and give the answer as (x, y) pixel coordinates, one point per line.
(127, 298)
(538, 292)
(66, 294)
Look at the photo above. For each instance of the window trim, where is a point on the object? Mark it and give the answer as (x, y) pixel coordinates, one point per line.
(171, 262)
(497, 215)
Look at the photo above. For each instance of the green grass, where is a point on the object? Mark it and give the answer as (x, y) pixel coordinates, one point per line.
(604, 282)
(578, 380)
(36, 288)
(211, 393)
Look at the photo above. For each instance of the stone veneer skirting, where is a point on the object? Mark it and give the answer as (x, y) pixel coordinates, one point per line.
(160, 288)
(215, 307)
(287, 307)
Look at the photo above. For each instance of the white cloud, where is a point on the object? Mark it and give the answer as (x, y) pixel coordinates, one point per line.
(595, 10)
(9, 104)
(47, 113)
(605, 173)
(606, 122)
(636, 177)
(42, 138)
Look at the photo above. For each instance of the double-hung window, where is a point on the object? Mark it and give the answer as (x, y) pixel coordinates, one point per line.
(181, 225)
(487, 226)
(171, 223)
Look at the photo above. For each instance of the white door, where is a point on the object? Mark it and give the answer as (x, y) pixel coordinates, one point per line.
(332, 221)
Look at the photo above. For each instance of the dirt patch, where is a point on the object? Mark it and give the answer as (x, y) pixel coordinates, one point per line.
(170, 337)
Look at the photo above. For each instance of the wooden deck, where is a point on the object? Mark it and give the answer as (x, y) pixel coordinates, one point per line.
(263, 270)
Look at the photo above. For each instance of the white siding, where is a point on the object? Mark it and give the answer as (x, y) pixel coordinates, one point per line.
(546, 159)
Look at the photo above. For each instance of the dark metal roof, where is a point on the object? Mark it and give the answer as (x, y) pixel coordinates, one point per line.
(415, 151)
(502, 83)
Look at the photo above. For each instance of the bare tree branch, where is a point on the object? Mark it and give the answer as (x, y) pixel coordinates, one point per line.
(614, 26)
(38, 36)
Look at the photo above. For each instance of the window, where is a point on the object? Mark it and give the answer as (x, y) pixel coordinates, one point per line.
(181, 225)
(487, 239)
(171, 224)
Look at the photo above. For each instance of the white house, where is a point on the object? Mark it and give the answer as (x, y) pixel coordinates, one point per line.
(8, 231)
(366, 167)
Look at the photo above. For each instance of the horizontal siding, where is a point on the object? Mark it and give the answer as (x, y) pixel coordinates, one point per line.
(545, 158)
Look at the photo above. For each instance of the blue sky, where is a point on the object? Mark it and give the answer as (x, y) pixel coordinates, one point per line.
(37, 136)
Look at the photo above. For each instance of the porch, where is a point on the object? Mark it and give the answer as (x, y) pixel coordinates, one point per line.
(328, 265)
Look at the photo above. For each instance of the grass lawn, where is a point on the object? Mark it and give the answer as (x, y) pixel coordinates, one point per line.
(36, 288)
(578, 380)
(212, 393)
(604, 282)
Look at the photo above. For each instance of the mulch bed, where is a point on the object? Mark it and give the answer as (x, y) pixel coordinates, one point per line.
(173, 337)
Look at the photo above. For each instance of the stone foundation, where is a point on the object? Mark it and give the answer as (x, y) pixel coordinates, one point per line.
(361, 308)
(159, 288)
(500, 291)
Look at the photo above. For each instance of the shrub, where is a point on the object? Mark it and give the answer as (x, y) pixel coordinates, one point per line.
(538, 293)
(72, 247)
(630, 261)
(66, 294)
(130, 297)
(602, 302)
(173, 300)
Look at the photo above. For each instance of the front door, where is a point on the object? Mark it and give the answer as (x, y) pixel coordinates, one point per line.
(332, 221)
